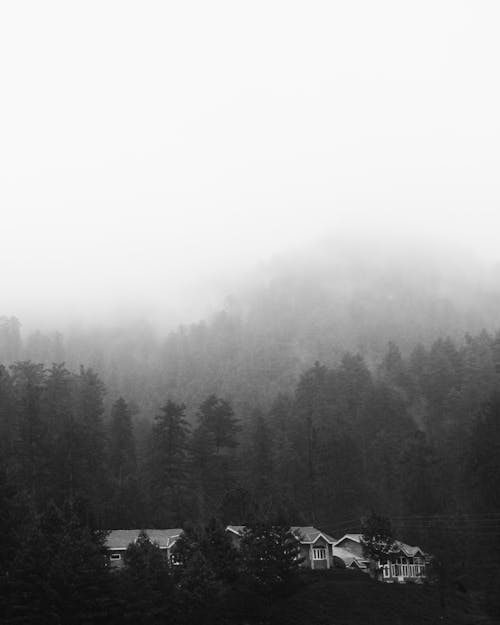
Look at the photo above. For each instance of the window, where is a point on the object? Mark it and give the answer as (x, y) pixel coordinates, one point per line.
(115, 556)
(319, 553)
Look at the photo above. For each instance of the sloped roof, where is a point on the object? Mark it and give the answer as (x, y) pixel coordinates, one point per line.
(236, 529)
(354, 537)
(399, 546)
(408, 550)
(356, 562)
(121, 539)
(348, 557)
(306, 534)
(309, 534)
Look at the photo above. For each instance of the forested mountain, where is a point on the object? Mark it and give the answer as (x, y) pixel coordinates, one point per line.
(318, 396)
(292, 312)
(418, 439)
(346, 379)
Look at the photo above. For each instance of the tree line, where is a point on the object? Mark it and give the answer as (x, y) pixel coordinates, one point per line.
(416, 437)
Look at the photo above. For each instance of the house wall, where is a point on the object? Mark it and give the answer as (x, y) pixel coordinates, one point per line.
(116, 563)
(323, 564)
(306, 552)
(408, 569)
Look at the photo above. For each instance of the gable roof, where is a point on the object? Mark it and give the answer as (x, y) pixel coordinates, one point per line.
(309, 534)
(354, 537)
(306, 534)
(398, 547)
(121, 539)
(408, 550)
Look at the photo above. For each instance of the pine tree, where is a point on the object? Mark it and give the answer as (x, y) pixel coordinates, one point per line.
(212, 455)
(58, 410)
(217, 416)
(311, 402)
(218, 549)
(260, 461)
(419, 476)
(147, 584)
(123, 463)
(482, 469)
(125, 497)
(10, 340)
(199, 592)
(168, 468)
(206, 562)
(28, 380)
(287, 472)
(59, 574)
(8, 417)
(394, 373)
(270, 557)
(89, 409)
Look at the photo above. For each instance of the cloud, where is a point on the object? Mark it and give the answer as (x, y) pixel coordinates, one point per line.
(150, 150)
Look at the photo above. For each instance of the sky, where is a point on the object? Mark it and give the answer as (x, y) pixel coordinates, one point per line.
(152, 151)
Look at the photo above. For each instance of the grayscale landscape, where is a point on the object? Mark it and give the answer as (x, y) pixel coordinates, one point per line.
(249, 313)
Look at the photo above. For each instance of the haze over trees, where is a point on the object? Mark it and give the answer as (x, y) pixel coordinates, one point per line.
(299, 402)
(351, 296)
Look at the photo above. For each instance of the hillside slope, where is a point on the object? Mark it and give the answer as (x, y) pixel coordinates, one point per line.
(352, 598)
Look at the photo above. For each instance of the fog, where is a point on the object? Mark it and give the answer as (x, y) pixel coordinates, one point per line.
(153, 156)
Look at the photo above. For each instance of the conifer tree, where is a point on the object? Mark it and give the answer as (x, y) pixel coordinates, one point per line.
(28, 380)
(89, 409)
(58, 410)
(125, 496)
(262, 456)
(217, 416)
(218, 549)
(8, 417)
(168, 468)
(482, 467)
(212, 454)
(146, 584)
(59, 574)
(123, 463)
(270, 557)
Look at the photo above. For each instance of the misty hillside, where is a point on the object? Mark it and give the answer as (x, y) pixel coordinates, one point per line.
(311, 306)
(323, 390)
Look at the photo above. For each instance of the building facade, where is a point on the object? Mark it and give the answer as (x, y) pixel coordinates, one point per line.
(117, 542)
(403, 564)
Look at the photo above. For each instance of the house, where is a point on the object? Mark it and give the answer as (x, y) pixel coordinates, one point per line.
(318, 550)
(316, 547)
(117, 542)
(404, 563)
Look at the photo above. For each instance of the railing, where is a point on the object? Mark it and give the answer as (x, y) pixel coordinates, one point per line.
(404, 570)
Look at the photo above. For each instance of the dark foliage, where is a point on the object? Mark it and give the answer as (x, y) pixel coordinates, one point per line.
(416, 437)
(270, 555)
(377, 537)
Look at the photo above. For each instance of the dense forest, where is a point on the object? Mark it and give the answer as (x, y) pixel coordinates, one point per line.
(414, 436)
(417, 438)
(291, 403)
(295, 310)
